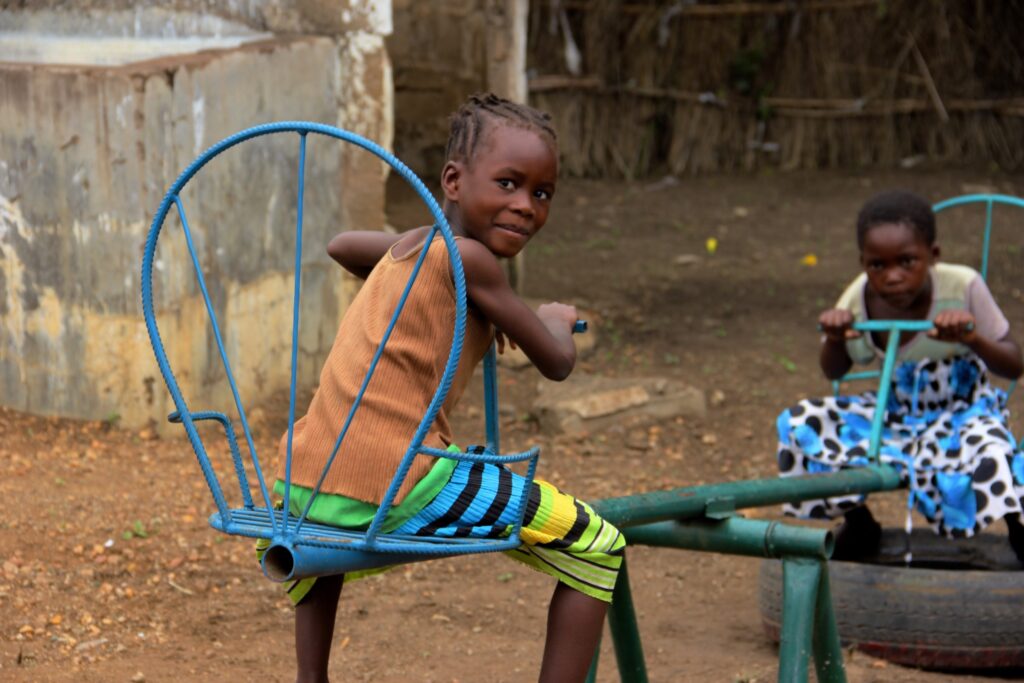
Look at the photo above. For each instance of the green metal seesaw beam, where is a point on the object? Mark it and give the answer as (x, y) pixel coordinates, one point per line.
(702, 501)
(700, 518)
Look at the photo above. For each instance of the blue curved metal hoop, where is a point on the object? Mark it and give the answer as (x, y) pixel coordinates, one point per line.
(988, 200)
(362, 542)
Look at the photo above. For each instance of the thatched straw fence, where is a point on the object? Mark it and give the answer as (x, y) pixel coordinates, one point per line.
(691, 86)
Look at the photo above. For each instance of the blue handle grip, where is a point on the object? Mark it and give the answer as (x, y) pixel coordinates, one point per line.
(579, 327)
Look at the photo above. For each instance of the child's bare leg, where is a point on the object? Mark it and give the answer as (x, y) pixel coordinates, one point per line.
(574, 629)
(1016, 534)
(314, 628)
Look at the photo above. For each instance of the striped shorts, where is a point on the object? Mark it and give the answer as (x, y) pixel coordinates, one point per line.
(562, 536)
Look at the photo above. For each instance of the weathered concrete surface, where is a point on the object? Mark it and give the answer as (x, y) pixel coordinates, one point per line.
(188, 17)
(85, 157)
(585, 403)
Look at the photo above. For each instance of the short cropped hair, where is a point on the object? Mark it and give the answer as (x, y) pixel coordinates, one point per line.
(897, 206)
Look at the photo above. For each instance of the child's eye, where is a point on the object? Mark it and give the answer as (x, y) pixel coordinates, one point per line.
(506, 184)
(908, 261)
(543, 195)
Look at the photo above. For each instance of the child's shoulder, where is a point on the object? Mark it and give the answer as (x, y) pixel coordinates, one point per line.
(952, 280)
(478, 261)
(852, 295)
(955, 271)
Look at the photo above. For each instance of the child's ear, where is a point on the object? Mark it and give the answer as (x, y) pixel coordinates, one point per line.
(936, 252)
(451, 175)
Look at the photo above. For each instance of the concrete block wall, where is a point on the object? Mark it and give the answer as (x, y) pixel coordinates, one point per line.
(86, 154)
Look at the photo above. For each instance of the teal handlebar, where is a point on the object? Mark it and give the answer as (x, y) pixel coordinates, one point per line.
(579, 327)
(893, 325)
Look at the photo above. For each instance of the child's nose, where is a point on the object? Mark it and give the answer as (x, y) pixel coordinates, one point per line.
(522, 203)
(893, 276)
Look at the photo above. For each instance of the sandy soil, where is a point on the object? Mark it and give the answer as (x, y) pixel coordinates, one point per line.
(109, 571)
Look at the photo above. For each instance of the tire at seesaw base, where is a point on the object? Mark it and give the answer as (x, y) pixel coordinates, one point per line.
(958, 606)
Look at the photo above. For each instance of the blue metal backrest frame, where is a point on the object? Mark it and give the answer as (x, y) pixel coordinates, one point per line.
(298, 547)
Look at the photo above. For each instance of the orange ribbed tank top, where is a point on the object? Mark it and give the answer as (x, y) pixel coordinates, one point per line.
(401, 388)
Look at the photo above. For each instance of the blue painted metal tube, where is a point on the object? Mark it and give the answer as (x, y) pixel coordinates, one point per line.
(692, 501)
(989, 200)
(236, 458)
(735, 536)
(491, 400)
(884, 389)
(894, 328)
(285, 562)
(296, 308)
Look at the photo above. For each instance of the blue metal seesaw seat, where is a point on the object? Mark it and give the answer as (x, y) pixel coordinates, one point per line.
(298, 547)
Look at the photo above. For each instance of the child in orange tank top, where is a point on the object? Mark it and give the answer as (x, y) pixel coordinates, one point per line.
(498, 182)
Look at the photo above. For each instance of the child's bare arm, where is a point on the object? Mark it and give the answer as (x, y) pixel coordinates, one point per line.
(1001, 356)
(545, 336)
(358, 251)
(837, 325)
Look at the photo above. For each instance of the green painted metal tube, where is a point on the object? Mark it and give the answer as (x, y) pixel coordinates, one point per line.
(693, 501)
(629, 651)
(735, 536)
(592, 674)
(828, 651)
(800, 579)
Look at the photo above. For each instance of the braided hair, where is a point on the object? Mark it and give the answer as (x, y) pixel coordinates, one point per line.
(470, 123)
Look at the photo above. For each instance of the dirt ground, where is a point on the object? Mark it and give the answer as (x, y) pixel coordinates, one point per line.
(109, 571)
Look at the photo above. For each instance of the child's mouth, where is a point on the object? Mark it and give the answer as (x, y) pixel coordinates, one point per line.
(514, 229)
(900, 299)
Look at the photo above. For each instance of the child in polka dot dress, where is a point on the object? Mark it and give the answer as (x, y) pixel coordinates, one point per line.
(946, 426)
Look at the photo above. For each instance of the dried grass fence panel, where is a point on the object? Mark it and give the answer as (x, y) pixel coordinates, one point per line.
(694, 88)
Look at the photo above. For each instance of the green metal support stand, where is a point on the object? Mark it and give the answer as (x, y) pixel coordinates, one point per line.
(828, 650)
(809, 627)
(701, 518)
(808, 624)
(629, 651)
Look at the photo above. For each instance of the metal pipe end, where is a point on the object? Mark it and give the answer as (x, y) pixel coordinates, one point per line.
(279, 562)
(830, 543)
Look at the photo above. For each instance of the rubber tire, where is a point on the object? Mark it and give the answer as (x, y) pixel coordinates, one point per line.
(960, 605)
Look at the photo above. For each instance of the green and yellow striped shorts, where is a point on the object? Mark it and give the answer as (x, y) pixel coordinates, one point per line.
(562, 536)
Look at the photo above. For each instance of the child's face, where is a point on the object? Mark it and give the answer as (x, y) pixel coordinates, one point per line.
(503, 196)
(896, 260)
